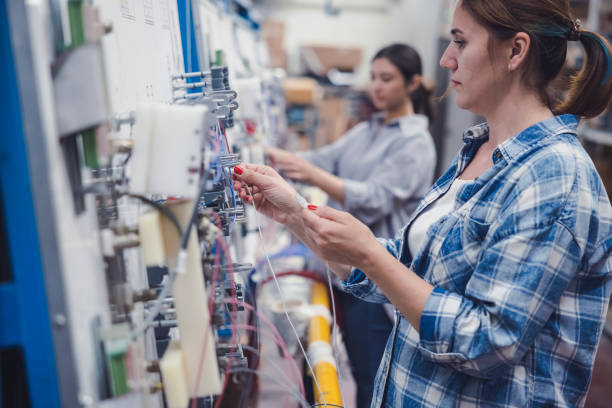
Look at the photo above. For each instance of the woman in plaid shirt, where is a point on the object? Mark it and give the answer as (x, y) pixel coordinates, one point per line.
(502, 277)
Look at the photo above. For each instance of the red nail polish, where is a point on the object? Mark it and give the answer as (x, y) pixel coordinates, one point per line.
(238, 169)
(312, 207)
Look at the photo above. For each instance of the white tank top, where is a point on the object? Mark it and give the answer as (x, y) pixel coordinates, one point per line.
(438, 209)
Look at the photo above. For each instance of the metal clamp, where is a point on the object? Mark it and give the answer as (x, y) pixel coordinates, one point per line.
(237, 268)
(229, 160)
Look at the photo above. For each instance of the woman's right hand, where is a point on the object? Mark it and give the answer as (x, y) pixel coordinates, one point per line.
(291, 165)
(264, 188)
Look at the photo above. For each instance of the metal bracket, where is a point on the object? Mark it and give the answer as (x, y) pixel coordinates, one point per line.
(80, 97)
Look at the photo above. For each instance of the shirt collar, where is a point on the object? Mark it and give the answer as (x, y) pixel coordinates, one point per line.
(527, 138)
(377, 118)
(417, 119)
(476, 133)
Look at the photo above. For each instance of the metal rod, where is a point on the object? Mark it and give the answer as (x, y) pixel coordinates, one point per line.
(190, 86)
(186, 75)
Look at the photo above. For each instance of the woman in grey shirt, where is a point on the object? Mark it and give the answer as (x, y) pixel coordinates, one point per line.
(378, 171)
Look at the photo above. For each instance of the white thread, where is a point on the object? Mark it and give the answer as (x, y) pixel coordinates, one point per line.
(301, 200)
(280, 292)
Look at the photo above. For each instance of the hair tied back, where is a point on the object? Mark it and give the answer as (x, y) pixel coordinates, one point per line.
(574, 33)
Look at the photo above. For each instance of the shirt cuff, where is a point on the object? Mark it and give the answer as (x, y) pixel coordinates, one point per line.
(354, 193)
(355, 277)
(304, 154)
(437, 325)
(359, 285)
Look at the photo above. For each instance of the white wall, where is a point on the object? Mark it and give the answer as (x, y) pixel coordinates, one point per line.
(417, 23)
(349, 28)
(369, 24)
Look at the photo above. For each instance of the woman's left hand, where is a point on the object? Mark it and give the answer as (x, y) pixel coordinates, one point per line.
(340, 237)
(292, 166)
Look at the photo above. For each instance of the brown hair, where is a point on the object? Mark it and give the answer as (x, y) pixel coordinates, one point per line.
(407, 60)
(549, 24)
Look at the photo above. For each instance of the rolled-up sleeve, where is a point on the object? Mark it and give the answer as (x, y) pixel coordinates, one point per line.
(407, 165)
(326, 157)
(359, 285)
(513, 291)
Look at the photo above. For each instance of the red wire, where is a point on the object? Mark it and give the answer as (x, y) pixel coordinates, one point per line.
(206, 335)
(278, 341)
(234, 309)
(277, 334)
(304, 273)
(211, 302)
(225, 136)
(281, 344)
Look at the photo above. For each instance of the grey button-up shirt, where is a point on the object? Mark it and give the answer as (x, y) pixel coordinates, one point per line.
(386, 169)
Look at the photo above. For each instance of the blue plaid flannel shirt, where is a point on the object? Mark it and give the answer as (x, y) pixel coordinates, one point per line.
(522, 273)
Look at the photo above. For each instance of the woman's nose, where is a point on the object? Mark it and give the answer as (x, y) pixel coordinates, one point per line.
(447, 61)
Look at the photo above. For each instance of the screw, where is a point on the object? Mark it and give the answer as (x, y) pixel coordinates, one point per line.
(155, 387)
(107, 26)
(86, 400)
(60, 320)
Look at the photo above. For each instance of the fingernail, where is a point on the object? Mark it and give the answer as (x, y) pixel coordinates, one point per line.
(312, 207)
(238, 169)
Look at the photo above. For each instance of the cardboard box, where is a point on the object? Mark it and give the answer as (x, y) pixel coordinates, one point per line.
(278, 58)
(302, 91)
(273, 32)
(333, 120)
(320, 59)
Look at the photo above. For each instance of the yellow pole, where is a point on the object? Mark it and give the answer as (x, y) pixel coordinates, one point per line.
(320, 351)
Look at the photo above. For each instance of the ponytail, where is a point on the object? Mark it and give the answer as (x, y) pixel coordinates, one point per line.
(422, 101)
(550, 25)
(590, 91)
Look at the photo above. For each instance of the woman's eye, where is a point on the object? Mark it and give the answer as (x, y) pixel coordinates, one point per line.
(460, 43)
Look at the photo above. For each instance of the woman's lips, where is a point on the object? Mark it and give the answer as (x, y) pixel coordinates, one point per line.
(455, 83)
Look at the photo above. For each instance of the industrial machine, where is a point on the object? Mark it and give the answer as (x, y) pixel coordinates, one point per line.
(129, 265)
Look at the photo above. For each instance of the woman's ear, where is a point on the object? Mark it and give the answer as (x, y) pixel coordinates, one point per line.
(414, 83)
(519, 50)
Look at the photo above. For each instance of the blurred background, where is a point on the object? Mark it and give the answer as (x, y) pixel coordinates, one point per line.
(325, 47)
(333, 41)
